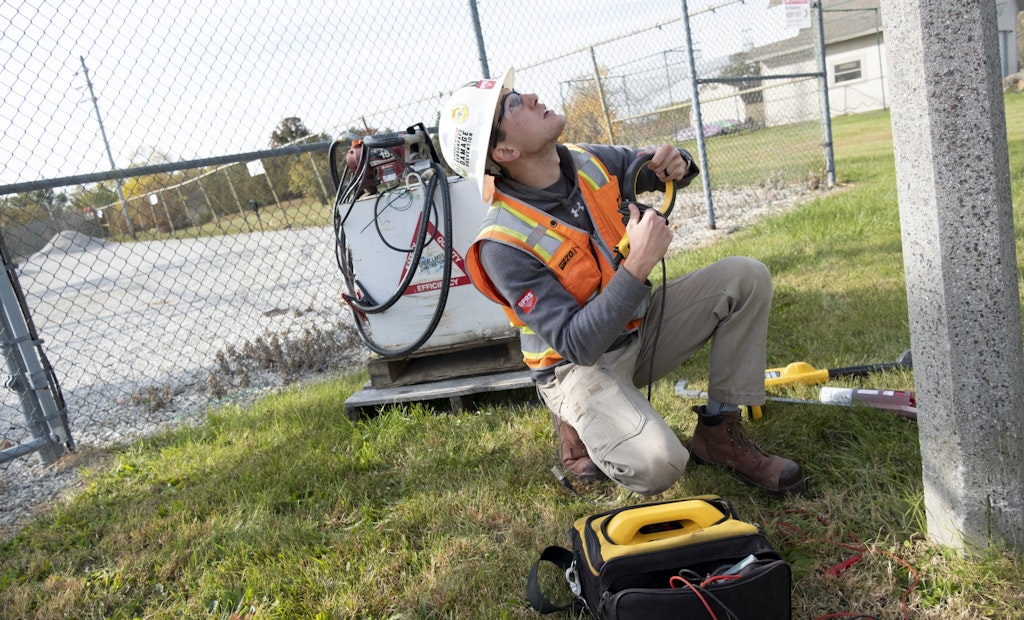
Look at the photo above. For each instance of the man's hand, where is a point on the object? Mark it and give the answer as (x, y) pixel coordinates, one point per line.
(668, 163)
(649, 238)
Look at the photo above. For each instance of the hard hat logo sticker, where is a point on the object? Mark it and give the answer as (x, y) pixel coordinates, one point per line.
(460, 113)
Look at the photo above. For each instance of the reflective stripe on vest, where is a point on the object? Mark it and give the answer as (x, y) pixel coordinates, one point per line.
(541, 240)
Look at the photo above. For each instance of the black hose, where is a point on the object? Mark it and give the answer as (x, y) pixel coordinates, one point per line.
(340, 197)
(332, 161)
(414, 262)
(359, 307)
(442, 299)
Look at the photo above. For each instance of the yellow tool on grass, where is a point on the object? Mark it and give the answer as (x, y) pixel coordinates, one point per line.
(802, 373)
(901, 402)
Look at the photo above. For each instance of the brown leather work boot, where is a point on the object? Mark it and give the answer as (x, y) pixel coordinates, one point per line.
(573, 453)
(726, 444)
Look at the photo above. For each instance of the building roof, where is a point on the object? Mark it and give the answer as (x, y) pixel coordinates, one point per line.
(843, 20)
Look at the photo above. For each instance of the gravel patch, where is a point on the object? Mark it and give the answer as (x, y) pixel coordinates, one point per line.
(290, 300)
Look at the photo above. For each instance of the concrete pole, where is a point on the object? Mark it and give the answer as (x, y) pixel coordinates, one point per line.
(953, 180)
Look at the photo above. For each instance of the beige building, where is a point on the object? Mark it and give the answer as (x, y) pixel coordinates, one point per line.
(854, 61)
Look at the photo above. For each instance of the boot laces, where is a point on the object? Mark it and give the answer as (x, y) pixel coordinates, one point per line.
(741, 441)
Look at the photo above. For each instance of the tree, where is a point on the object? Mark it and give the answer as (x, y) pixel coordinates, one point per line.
(40, 204)
(288, 131)
(309, 177)
(93, 198)
(152, 199)
(91, 201)
(292, 176)
(584, 113)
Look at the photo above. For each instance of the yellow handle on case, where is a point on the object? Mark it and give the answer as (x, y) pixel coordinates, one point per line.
(660, 521)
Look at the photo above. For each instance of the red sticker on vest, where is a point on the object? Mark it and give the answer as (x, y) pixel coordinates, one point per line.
(527, 302)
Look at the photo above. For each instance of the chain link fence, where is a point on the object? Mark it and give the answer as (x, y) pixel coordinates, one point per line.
(165, 191)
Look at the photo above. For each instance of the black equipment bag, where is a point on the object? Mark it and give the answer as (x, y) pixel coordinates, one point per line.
(690, 558)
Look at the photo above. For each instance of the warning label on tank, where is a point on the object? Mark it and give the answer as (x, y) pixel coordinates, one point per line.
(430, 270)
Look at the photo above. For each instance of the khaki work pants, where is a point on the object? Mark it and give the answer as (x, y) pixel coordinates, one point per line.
(726, 303)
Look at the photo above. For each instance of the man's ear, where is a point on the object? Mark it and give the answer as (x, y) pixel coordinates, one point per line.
(503, 154)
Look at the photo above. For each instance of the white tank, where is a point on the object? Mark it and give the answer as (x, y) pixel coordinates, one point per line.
(379, 235)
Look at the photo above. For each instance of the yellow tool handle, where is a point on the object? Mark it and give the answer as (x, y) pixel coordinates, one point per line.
(661, 521)
(628, 191)
(797, 373)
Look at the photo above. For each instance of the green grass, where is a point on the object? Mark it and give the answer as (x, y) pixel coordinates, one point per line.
(286, 509)
(749, 157)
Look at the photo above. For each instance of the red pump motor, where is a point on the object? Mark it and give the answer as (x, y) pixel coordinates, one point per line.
(385, 165)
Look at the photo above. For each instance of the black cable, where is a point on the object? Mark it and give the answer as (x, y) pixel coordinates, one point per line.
(390, 205)
(377, 216)
(657, 332)
(332, 161)
(414, 261)
(354, 189)
(361, 307)
(628, 192)
(562, 478)
(729, 612)
(445, 276)
(340, 197)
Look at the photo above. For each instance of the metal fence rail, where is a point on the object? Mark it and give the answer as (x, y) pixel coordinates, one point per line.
(159, 286)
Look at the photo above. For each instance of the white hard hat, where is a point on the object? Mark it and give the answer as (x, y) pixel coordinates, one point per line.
(464, 129)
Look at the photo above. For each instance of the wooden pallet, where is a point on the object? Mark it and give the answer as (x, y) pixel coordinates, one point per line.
(450, 362)
(460, 392)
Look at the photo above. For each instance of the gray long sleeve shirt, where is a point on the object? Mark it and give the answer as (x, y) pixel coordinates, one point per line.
(580, 333)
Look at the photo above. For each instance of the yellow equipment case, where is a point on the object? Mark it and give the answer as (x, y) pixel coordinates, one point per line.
(689, 558)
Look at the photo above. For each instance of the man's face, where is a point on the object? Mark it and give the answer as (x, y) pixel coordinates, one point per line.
(525, 122)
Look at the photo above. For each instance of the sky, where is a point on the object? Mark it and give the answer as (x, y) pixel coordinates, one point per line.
(193, 80)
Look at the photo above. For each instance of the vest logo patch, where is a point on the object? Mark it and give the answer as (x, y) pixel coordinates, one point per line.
(565, 259)
(527, 302)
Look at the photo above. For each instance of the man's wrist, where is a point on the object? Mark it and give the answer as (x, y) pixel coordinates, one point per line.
(635, 269)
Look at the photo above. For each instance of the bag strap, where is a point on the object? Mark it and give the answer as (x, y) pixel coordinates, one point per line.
(563, 559)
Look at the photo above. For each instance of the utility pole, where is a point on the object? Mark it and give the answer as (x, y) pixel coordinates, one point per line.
(110, 156)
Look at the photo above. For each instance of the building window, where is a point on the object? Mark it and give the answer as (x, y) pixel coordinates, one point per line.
(847, 71)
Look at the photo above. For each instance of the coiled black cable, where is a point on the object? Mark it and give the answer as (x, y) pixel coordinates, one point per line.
(356, 295)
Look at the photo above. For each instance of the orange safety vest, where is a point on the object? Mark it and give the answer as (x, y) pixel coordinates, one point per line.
(582, 266)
